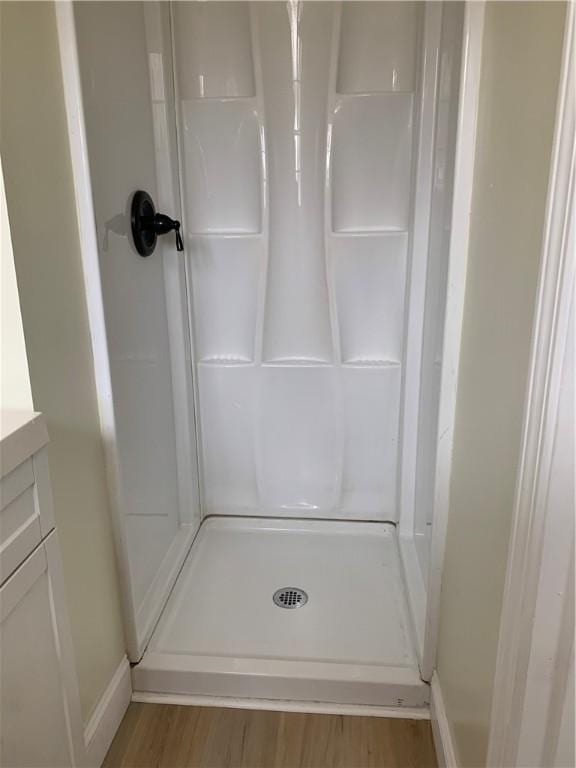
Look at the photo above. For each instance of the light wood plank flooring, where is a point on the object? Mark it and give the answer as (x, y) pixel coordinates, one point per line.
(162, 736)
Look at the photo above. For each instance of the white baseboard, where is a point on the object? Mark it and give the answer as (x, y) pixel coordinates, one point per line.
(443, 741)
(106, 718)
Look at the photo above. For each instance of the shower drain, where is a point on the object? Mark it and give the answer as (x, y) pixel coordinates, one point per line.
(290, 597)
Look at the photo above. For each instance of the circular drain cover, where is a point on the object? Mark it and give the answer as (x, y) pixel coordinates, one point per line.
(290, 597)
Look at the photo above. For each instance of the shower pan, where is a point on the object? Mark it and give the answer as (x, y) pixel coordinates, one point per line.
(270, 396)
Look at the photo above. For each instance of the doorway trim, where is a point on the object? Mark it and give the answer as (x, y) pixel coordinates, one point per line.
(94, 302)
(531, 512)
(471, 64)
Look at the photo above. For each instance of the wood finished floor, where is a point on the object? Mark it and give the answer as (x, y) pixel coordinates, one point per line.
(162, 736)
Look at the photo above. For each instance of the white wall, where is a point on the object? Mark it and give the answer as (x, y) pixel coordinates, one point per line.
(41, 207)
(521, 57)
(15, 391)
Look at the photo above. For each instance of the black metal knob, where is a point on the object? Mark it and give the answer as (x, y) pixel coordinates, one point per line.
(147, 225)
(163, 224)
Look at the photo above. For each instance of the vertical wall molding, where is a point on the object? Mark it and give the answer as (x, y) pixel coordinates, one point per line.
(442, 733)
(416, 292)
(530, 517)
(94, 300)
(458, 261)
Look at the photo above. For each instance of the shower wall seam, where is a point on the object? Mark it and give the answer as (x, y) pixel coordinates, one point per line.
(180, 341)
(264, 194)
(188, 278)
(419, 237)
(328, 223)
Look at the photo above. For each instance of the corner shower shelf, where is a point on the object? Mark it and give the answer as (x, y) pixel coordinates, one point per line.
(346, 233)
(359, 94)
(225, 234)
(296, 362)
(368, 231)
(369, 363)
(225, 361)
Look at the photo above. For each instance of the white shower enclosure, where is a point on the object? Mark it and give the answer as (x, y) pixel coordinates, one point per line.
(270, 397)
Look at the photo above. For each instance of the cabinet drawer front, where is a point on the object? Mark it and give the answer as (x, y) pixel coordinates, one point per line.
(23, 520)
(25, 511)
(15, 483)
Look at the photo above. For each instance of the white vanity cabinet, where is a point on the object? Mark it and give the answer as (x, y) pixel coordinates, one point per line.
(40, 719)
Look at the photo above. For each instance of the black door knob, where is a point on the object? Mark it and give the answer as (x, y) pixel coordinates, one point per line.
(147, 224)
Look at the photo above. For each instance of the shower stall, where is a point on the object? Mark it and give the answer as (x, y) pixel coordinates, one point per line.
(271, 396)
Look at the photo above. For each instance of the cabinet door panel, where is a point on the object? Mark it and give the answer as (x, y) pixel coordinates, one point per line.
(40, 718)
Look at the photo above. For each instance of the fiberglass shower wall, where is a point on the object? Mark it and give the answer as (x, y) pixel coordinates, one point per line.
(308, 149)
(144, 374)
(299, 152)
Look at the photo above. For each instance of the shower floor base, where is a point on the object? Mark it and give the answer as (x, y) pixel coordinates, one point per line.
(221, 634)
